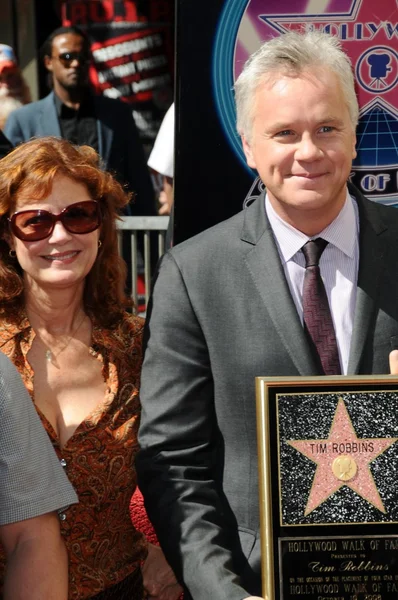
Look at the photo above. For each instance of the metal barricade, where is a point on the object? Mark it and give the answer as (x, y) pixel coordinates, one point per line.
(149, 226)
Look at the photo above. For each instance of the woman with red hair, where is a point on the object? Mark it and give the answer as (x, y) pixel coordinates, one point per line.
(63, 322)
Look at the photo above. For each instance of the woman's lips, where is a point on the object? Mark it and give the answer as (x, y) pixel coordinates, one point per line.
(61, 256)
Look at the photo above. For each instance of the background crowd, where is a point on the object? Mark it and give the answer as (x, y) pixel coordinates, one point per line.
(73, 111)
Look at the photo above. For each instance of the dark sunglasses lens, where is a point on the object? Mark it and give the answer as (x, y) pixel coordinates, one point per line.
(32, 225)
(82, 217)
(67, 58)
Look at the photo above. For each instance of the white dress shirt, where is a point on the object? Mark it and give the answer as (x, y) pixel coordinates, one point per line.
(338, 266)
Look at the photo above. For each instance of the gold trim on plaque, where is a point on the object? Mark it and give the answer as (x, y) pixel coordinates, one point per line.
(264, 461)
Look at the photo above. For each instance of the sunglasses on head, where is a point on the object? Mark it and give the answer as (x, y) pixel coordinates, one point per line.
(34, 225)
(67, 58)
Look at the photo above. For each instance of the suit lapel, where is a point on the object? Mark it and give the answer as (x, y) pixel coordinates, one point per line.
(371, 265)
(49, 123)
(265, 268)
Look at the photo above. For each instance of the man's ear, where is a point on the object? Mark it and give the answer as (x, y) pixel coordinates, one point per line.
(354, 150)
(247, 149)
(48, 63)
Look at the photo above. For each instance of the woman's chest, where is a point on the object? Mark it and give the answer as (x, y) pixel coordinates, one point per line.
(67, 391)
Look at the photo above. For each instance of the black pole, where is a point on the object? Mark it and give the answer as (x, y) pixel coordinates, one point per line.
(14, 25)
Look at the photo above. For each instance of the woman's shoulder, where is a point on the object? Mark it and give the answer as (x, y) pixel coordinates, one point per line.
(126, 334)
(130, 327)
(11, 327)
(132, 323)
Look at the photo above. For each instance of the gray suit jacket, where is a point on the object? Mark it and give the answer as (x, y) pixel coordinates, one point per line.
(222, 314)
(118, 142)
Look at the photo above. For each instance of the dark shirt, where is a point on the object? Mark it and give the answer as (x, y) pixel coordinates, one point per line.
(5, 145)
(78, 126)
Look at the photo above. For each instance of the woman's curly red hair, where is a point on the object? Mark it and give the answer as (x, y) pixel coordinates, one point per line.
(31, 169)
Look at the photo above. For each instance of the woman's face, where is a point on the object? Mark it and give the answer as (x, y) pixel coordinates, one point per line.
(63, 259)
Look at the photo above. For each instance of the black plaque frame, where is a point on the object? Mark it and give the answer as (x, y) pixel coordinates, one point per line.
(288, 548)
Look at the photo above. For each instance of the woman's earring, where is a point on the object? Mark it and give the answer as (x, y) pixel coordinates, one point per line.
(12, 254)
(99, 243)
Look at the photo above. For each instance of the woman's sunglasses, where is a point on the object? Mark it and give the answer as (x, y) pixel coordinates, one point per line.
(35, 225)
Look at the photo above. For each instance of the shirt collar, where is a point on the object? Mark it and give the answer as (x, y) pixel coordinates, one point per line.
(86, 105)
(342, 232)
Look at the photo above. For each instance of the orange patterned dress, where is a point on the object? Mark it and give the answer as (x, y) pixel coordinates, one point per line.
(104, 548)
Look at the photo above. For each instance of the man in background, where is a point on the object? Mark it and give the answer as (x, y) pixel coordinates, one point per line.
(241, 300)
(161, 161)
(71, 111)
(33, 487)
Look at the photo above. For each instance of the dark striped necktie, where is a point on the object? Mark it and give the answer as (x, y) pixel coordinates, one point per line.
(318, 322)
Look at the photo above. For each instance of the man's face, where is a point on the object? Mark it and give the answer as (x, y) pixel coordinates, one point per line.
(10, 78)
(68, 61)
(302, 146)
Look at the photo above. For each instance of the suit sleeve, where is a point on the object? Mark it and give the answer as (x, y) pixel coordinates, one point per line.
(179, 441)
(32, 482)
(13, 130)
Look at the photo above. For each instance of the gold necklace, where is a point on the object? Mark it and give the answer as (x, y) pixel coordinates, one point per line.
(50, 355)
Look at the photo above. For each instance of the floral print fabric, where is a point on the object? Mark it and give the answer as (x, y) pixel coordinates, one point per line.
(103, 546)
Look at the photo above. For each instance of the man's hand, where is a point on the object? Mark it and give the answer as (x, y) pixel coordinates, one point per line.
(394, 362)
(159, 580)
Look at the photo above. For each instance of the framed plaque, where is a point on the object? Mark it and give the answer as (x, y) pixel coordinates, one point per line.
(328, 461)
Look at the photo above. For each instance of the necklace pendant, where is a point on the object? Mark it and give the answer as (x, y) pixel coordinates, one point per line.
(48, 355)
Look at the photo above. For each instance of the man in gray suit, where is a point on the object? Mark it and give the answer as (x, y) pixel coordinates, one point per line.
(71, 111)
(227, 306)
